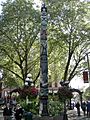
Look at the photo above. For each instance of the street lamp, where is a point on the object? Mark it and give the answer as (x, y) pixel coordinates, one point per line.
(29, 81)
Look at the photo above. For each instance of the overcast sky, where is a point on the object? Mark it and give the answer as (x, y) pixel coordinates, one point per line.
(0, 4)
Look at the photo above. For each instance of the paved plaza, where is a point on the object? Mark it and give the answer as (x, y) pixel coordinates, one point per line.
(72, 115)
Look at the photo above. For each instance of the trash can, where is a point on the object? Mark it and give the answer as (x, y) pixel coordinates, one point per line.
(28, 116)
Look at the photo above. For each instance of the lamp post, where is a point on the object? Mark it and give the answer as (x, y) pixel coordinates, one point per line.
(28, 83)
(43, 63)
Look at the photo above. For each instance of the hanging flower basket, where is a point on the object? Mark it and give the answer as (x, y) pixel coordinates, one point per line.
(34, 91)
(64, 93)
(31, 92)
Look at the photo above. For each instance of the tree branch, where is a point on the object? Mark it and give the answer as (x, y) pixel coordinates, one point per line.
(11, 71)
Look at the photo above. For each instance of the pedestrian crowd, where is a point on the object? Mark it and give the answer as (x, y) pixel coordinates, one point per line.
(18, 112)
(15, 113)
(85, 106)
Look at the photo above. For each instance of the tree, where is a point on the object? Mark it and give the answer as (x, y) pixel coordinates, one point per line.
(68, 38)
(87, 94)
(19, 48)
(69, 31)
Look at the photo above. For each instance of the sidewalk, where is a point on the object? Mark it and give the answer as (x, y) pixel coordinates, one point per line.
(72, 115)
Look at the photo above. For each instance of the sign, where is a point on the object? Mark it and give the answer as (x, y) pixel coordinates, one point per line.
(85, 76)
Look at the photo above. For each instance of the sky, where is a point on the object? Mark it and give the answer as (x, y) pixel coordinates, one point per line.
(0, 4)
(76, 82)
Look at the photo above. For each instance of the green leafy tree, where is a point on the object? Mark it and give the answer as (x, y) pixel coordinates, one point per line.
(69, 33)
(19, 48)
(86, 94)
(68, 39)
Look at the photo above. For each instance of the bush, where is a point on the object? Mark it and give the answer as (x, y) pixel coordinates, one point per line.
(55, 107)
(32, 106)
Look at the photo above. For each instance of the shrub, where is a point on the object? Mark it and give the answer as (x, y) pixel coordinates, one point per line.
(55, 107)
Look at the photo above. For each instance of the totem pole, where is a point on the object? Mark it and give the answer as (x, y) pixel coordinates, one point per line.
(43, 63)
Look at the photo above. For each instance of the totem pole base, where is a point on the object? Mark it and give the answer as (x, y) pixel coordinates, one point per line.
(44, 109)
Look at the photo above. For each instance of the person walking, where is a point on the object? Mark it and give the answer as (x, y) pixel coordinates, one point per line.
(83, 106)
(78, 108)
(7, 112)
(88, 108)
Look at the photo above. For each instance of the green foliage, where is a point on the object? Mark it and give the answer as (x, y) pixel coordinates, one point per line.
(86, 94)
(68, 31)
(19, 28)
(55, 107)
(68, 38)
(31, 106)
